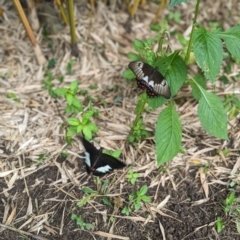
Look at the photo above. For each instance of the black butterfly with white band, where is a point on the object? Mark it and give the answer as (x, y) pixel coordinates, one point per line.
(97, 162)
(151, 79)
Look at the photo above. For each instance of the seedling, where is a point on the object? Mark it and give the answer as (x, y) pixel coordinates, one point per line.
(81, 223)
(132, 176)
(136, 199)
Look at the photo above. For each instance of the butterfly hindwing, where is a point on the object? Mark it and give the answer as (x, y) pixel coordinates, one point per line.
(151, 79)
(97, 162)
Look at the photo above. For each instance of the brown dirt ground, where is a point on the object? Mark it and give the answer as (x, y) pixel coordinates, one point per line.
(39, 198)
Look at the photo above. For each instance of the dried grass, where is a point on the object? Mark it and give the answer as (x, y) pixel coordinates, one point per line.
(33, 126)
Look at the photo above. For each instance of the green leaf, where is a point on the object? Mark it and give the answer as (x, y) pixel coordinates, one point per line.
(212, 115)
(155, 27)
(143, 190)
(73, 121)
(176, 2)
(51, 63)
(74, 86)
(88, 190)
(89, 226)
(138, 45)
(137, 205)
(93, 127)
(208, 51)
(69, 99)
(146, 199)
(195, 90)
(87, 133)
(174, 69)
(71, 131)
(60, 91)
(134, 56)
(168, 134)
(128, 74)
(232, 40)
(107, 202)
(76, 103)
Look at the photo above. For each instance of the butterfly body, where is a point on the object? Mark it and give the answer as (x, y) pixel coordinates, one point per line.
(97, 162)
(151, 79)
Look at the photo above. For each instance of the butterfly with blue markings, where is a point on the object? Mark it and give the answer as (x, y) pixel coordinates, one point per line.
(97, 162)
(151, 79)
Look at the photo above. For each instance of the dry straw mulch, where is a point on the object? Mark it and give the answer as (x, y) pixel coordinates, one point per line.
(33, 126)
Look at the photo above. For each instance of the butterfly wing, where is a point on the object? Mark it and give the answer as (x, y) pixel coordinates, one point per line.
(151, 79)
(91, 154)
(99, 163)
(107, 163)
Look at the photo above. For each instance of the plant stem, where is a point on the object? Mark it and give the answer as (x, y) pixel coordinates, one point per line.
(190, 40)
(139, 113)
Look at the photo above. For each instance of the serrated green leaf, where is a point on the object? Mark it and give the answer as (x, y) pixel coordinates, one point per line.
(138, 45)
(232, 40)
(195, 90)
(176, 2)
(168, 134)
(208, 51)
(212, 115)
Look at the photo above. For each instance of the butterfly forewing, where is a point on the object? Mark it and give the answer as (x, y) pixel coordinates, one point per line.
(97, 162)
(151, 79)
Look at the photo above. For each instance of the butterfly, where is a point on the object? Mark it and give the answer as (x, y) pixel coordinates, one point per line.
(151, 79)
(97, 162)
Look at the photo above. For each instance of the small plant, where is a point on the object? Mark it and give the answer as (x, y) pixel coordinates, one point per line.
(100, 193)
(83, 125)
(13, 97)
(136, 199)
(132, 176)
(70, 94)
(232, 208)
(219, 224)
(81, 223)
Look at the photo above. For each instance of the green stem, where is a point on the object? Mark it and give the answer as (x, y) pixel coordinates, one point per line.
(139, 114)
(190, 40)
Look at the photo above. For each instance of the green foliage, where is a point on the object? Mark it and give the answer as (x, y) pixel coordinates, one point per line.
(168, 134)
(83, 125)
(208, 53)
(212, 114)
(73, 103)
(102, 193)
(81, 223)
(219, 224)
(13, 97)
(232, 105)
(132, 176)
(69, 66)
(138, 132)
(136, 198)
